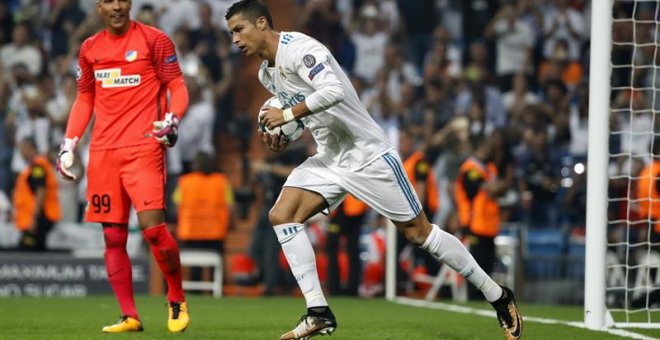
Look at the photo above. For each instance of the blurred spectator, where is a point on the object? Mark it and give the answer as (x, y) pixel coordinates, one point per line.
(563, 23)
(206, 202)
(30, 120)
(557, 104)
(579, 123)
(177, 14)
(426, 113)
(383, 108)
(345, 228)
(502, 157)
(370, 38)
(451, 144)
(490, 97)
(514, 40)
(443, 60)
(32, 11)
(560, 67)
(477, 188)
(419, 18)
(6, 23)
(398, 71)
(574, 204)
(519, 97)
(476, 15)
(147, 14)
(59, 104)
(191, 65)
(63, 19)
(321, 19)
(21, 51)
(198, 124)
(538, 178)
(478, 125)
(219, 9)
(648, 193)
(5, 137)
(36, 206)
(477, 68)
(211, 44)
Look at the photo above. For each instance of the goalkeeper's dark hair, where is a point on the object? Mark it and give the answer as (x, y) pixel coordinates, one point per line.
(251, 9)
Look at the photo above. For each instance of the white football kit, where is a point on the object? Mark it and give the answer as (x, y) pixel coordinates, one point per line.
(353, 153)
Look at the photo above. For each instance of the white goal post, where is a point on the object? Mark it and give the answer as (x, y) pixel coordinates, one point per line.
(599, 106)
(622, 273)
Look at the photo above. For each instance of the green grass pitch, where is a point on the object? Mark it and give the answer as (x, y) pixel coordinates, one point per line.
(268, 318)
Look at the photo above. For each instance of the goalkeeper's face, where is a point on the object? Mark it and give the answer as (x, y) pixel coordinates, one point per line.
(115, 14)
(246, 35)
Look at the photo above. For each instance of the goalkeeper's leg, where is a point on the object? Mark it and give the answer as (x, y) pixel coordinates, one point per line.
(118, 266)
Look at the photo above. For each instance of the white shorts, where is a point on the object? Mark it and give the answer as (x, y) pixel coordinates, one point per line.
(383, 185)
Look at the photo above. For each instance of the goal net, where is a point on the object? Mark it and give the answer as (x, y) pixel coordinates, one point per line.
(622, 283)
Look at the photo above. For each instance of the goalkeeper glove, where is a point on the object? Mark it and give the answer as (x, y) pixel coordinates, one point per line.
(166, 131)
(65, 158)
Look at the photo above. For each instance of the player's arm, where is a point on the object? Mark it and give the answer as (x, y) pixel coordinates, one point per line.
(80, 115)
(313, 67)
(168, 70)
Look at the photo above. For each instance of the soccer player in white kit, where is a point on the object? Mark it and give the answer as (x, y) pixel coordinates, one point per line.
(354, 156)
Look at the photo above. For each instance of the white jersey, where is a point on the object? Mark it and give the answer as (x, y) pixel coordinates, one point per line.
(305, 70)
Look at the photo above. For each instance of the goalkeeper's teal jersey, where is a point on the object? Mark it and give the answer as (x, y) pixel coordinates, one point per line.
(304, 70)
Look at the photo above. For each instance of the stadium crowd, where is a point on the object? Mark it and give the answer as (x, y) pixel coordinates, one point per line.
(440, 71)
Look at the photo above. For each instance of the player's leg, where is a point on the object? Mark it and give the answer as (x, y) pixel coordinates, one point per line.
(451, 251)
(143, 176)
(309, 189)
(109, 205)
(118, 266)
(166, 252)
(384, 186)
(293, 207)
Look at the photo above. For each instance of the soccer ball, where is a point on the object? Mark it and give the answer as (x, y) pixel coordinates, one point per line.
(290, 131)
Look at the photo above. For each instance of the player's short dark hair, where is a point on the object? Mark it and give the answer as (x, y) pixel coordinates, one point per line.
(251, 9)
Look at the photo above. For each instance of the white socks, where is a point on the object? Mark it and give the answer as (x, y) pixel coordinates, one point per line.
(302, 261)
(448, 249)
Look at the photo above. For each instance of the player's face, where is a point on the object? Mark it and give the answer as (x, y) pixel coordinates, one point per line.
(115, 14)
(247, 36)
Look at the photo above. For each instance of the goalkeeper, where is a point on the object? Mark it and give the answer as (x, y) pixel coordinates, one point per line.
(124, 74)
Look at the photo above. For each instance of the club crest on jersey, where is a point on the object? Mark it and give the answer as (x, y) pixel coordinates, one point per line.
(131, 55)
(112, 77)
(309, 60)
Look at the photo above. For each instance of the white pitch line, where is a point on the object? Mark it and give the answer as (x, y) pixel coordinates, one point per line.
(487, 313)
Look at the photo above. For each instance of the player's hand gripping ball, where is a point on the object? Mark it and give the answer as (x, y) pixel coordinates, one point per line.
(289, 131)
